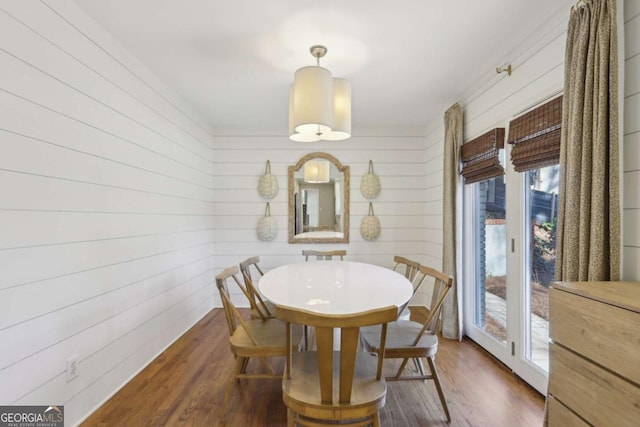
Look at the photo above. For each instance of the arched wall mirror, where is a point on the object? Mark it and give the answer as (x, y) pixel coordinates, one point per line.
(318, 200)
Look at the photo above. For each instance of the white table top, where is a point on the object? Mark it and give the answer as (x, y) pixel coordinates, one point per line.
(335, 287)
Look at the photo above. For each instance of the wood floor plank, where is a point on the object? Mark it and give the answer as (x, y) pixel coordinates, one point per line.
(185, 386)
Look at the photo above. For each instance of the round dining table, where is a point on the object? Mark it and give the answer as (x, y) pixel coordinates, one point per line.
(335, 287)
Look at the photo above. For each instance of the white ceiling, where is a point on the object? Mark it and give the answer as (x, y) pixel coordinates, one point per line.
(407, 60)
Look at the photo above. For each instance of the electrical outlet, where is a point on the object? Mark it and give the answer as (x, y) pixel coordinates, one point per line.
(72, 367)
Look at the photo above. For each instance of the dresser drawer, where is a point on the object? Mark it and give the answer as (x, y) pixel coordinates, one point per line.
(560, 416)
(599, 396)
(604, 333)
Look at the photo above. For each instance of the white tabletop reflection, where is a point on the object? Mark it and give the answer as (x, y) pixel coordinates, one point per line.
(335, 287)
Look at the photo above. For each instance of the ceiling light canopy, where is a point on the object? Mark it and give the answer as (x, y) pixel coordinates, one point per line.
(319, 105)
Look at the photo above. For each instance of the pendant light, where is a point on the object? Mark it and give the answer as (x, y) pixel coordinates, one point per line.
(319, 104)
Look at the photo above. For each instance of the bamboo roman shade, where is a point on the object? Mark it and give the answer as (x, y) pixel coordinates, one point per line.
(536, 137)
(480, 156)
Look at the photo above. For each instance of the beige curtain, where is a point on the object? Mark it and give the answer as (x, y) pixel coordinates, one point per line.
(451, 310)
(588, 245)
(588, 233)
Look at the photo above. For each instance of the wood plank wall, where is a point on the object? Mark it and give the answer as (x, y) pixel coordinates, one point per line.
(117, 206)
(538, 74)
(401, 205)
(106, 193)
(631, 150)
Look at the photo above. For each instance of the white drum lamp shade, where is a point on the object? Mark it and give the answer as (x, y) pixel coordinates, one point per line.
(313, 101)
(319, 105)
(293, 135)
(316, 171)
(341, 128)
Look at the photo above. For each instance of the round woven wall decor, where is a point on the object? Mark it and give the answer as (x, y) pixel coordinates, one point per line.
(370, 225)
(370, 184)
(267, 226)
(268, 184)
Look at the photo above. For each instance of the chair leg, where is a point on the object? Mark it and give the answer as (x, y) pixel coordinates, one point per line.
(436, 379)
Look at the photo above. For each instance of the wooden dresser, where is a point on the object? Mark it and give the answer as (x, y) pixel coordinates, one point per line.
(594, 367)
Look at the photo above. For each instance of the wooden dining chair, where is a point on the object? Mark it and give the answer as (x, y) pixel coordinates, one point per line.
(334, 386)
(411, 340)
(324, 255)
(260, 309)
(255, 338)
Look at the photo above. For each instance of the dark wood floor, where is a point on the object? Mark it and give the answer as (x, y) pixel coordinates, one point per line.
(184, 386)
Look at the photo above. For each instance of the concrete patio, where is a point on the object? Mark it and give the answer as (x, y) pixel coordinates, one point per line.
(496, 307)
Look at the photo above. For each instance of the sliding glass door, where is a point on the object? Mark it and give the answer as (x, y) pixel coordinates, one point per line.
(541, 205)
(509, 259)
(485, 265)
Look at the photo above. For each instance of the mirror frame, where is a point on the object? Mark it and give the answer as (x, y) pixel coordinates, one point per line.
(345, 198)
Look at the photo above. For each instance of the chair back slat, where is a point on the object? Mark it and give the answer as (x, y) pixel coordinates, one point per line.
(440, 291)
(255, 299)
(223, 289)
(442, 286)
(348, 346)
(324, 339)
(407, 267)
(349, 326)
(324, 255)
(417, 280)
(381, 350)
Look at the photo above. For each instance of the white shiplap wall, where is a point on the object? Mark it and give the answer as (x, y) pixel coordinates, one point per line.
(106, 194)
(538, 74)
(406, 186)
(538, 68)
(631, 130)
(115, 212)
